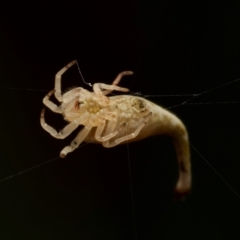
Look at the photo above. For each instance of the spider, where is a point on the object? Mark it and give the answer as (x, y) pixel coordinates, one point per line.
(117, 119)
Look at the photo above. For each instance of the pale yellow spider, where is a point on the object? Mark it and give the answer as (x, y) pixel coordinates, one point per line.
(116, 119)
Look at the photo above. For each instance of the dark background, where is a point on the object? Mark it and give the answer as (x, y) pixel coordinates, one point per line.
(174, 47)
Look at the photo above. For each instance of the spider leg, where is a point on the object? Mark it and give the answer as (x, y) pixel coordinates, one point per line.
(63, 133)
(76, 142)
(131, 135)
(117, 80)
(50, 104)
(58, 92)
(110, 133)
(110, 127)
(97, 88)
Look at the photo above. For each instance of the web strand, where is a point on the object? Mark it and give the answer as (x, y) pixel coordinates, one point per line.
(25, 89)
(89, 84)
(132, 196)
(36, 166)
(219, 175)
(28, 169)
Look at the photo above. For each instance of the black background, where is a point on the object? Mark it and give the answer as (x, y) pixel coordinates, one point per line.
(174, 47)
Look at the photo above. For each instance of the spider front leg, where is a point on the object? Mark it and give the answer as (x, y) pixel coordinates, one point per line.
(76, 142)
(117, 141)
(50, 104)
(58, 92)
(63, 133)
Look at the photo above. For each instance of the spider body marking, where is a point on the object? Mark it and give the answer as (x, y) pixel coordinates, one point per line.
(117, 119)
